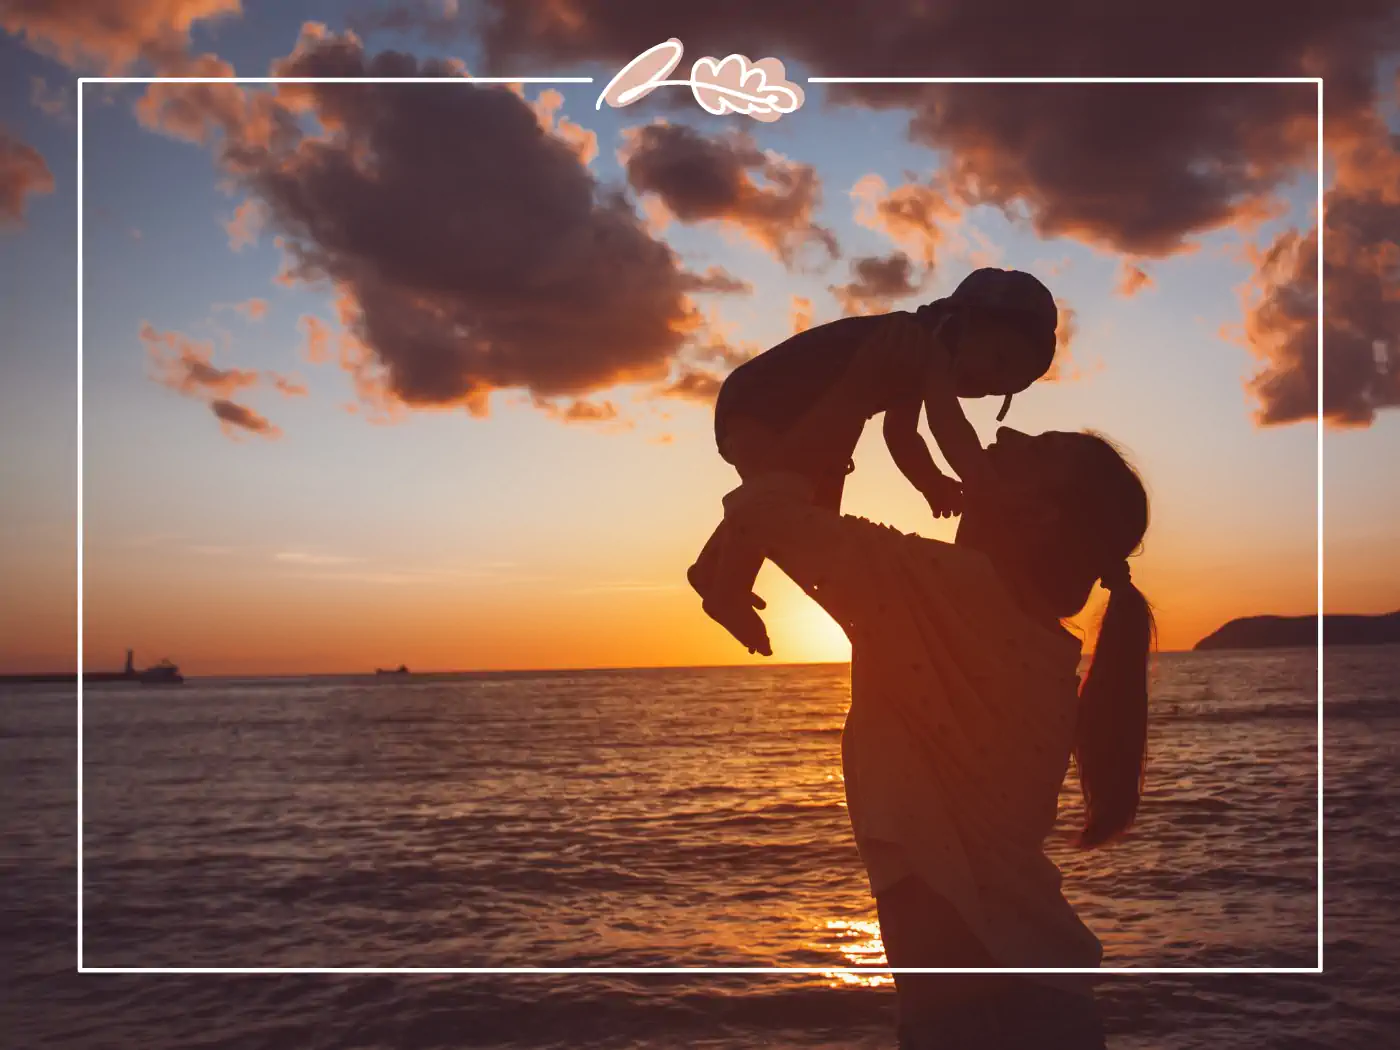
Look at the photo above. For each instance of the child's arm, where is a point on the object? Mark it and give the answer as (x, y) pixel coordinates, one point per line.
(957, 438)
(911, 455)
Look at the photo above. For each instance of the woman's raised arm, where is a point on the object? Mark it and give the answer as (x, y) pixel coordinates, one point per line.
(826, 554)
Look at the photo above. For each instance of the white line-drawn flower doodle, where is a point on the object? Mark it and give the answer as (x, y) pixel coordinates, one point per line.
(758, 90)
(731, 85)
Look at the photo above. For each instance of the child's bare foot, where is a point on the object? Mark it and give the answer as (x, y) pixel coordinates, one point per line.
(738, 617)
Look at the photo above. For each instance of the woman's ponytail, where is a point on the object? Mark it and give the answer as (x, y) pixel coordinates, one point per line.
(1110, 746)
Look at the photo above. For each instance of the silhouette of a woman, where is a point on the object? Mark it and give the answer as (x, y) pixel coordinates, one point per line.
(966, 708)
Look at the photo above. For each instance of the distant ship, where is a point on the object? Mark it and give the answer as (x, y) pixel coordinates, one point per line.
(163, 673)
(401, 669)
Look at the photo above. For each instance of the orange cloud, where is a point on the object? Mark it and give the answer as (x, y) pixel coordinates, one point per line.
(1132, 279)
(317, 348)
(694, 384)
(288, 385)
(583, 142)
(582, 410)
(183, 365)
(912, 215)
(591, 412)
(253, 309)
(22, 174)
(111, 35)
(801, 314)
(1064, 368)
(243, 227)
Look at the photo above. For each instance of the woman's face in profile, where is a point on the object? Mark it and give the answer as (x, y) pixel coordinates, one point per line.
(1032, 472)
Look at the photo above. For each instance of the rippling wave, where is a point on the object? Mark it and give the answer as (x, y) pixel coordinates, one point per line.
(644, 818)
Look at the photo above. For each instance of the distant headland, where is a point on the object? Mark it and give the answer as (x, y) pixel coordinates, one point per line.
(1290, 632)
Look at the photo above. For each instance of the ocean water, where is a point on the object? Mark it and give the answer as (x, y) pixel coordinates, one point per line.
(647, 818)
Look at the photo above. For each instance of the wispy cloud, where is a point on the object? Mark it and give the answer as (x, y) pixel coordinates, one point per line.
(613, 586)
(245, 224)
(393, 579)
(23, 174)
(55, 103)
(295, 557)
(154, 539)
(252, 309)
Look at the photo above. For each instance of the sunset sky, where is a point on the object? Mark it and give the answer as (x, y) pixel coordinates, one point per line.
(385, 374)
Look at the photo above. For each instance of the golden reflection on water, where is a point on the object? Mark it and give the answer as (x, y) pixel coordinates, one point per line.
(859, 941)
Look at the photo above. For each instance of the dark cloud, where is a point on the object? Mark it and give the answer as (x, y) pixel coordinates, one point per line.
(22, 174)
(877, 282)
(1138, 169)
(469, 249)
(726, 178)
(1083, 160)
(694, 384)
(185, 365)
(717, 280)
(1361, 285)
(234, 418)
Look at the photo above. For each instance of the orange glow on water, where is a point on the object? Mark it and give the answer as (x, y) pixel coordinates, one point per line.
(859, 942)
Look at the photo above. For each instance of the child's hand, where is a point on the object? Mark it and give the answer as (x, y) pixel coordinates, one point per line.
(945, 497)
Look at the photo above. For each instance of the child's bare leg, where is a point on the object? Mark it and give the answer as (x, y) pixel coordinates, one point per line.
(723, 575)
(702, 572)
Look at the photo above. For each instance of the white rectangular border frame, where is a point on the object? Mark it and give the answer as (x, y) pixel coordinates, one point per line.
(823, 970)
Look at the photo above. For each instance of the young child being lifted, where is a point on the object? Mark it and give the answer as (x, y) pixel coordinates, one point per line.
(994, 335)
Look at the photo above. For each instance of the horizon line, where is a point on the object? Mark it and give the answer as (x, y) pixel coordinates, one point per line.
(596, 668)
